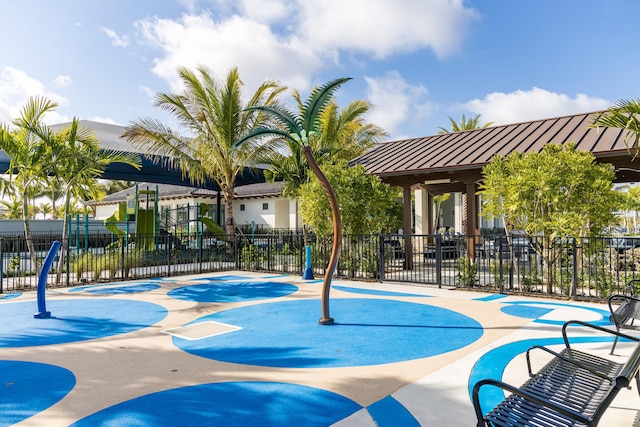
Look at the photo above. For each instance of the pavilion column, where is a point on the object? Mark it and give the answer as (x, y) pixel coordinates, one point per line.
(424, 212)
(472, 231)
(406, 227)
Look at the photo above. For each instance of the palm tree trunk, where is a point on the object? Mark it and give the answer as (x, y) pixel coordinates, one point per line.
(337, 234)
(27, 232)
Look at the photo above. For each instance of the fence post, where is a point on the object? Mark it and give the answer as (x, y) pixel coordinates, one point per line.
(438, 260)
(575, 270)
(382, 261)
(1, 267)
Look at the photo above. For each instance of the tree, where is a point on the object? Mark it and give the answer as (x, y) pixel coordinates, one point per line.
(301, 130)
(215, 117)
(623, 115)
(464, 124)
(80, 163)
(367, 205)
(30, 147)
(557, 193)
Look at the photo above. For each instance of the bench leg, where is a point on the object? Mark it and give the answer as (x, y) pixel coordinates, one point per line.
(613, 347)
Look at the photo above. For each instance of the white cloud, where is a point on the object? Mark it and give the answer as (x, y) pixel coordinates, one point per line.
(385, 27)
(237, 42)
(116, 40)
(16, 87)
(62, 81)
(519, 106)
(395, 101)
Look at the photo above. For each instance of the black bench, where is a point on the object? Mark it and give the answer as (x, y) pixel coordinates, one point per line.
(625, 314)
(573, 389)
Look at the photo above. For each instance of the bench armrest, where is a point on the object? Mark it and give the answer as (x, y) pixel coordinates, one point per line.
(589, 325)
(566, 412)
(565, 359)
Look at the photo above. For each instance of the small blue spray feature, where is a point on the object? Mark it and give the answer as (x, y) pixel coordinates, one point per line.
(42, 281)
(308, 271)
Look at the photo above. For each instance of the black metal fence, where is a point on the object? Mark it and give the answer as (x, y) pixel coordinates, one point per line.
(590, 268)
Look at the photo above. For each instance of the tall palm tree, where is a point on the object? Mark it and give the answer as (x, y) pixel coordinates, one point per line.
(215, 116)
(464, 124)
(80, 163)
(28, 143)
(624, 114)
(301, 131)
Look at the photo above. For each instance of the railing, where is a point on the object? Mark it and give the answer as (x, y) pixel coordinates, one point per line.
(592, 268)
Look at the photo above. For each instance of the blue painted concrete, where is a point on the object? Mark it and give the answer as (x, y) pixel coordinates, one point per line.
(604, 314)
(491, 297)
(366, 332)
(75, 320)
(233, 404)
(227, 291)
(388, 412)
(11, 295)
(377, 292)
(526, 311)
(28, 388)
(119, 290)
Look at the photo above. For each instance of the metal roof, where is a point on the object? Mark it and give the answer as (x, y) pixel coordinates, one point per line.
(169, 191)
(451, 155)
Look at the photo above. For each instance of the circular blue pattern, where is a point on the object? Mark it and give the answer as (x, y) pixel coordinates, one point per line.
(229, 404)
(75, 320)
(217, 291)
(27, 388)
(366, 332)
(525, 311)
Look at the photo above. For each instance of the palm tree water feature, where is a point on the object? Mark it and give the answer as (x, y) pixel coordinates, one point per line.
(301, 129)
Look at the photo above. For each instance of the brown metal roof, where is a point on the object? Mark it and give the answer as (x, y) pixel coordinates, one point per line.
(460, 156)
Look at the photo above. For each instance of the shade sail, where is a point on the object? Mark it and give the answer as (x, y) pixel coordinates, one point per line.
(110, 138)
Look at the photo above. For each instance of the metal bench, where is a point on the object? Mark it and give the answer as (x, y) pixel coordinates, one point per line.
(625, 314)
(573, 389)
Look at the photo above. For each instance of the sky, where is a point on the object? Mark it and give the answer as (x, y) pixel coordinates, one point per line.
(418, 62)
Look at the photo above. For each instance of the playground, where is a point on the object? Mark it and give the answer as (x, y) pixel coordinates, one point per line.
(238, 348)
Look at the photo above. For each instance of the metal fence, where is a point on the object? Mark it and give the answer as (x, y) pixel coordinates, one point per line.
(590, 268)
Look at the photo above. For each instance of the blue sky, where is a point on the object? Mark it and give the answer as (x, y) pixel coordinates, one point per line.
(418, 61)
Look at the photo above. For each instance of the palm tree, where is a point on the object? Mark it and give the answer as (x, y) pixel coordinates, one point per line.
(45, 209)
(12, 209)
(29, 146)
(623, 115)
(302, 131)
(464, 124)
(215, 116)
(80, 163)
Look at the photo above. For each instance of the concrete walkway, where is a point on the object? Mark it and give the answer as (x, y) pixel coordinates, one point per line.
(238, 348)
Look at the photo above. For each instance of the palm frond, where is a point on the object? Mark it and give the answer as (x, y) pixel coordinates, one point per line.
(318, 99)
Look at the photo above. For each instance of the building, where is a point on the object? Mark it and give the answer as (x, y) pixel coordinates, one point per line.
(260, 205)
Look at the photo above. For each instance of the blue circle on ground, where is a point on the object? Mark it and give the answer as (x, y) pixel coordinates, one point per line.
(112, 289)
(229, 404)
(74, 320)
(526, 311)
(29, 388)
(226, 291)
(366, 332)
(377, 292)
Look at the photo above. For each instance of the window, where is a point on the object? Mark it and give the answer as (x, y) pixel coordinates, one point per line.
(242, 207)
(265, 206)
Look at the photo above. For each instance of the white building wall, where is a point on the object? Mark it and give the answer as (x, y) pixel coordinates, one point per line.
(254, 211)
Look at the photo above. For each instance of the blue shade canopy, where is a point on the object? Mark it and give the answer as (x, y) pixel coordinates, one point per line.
(110, 138)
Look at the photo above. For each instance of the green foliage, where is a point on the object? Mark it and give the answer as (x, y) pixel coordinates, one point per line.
(623, 115)
(366, 204)
(558, 192)
(215, 116)
(467, 271)
(464, 124)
